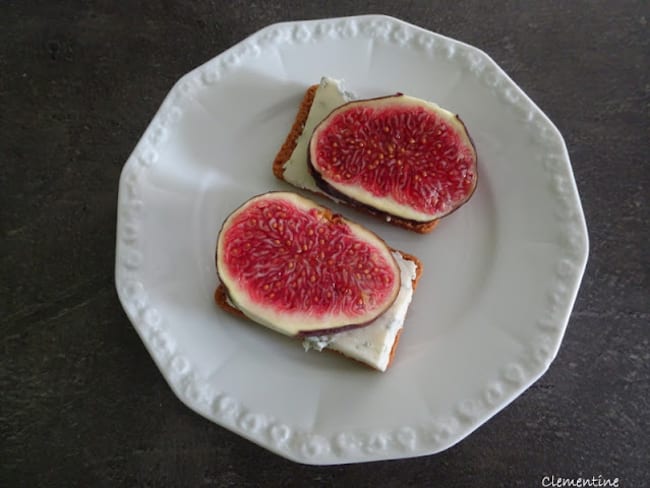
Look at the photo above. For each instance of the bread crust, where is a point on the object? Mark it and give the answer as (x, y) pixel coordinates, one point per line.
(221, 299)
(296, 129)
(284, 154)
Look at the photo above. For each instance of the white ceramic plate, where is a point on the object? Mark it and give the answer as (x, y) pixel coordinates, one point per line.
(501, 273)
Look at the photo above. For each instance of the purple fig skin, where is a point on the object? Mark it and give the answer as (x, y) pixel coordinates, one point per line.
(322, 332)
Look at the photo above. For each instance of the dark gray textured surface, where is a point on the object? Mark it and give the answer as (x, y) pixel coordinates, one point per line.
(81, 401)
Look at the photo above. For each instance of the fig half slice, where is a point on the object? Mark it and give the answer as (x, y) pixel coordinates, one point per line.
(295, 267)
(400, 155)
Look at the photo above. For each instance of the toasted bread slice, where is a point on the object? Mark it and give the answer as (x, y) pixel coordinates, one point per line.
(347, 342)
(283, 159)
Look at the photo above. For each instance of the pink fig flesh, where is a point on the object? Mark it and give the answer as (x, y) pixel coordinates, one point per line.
(295, 267)
(398, 154)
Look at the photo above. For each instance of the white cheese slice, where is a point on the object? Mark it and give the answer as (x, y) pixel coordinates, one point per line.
(329, 95)
(373, 343)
